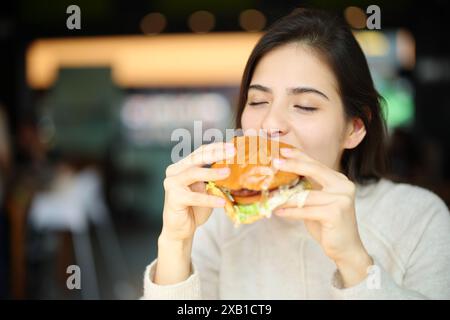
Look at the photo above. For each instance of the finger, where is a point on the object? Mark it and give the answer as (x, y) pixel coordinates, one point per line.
(308, 169)
(331, 180)
(301, 155)
(211, 147)
(197, 174)
(195, 199)
(312, 169)
(313, 198)
(205, 154)
(307, 213)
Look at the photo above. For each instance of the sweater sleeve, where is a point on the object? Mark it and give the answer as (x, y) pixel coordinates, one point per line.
(185, 290)
(203, 281)
(206, 256)
(427, 271)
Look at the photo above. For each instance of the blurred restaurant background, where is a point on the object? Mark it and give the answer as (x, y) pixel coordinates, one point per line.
(86, 117)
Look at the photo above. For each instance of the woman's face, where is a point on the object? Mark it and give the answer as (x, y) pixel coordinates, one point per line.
(294, 95)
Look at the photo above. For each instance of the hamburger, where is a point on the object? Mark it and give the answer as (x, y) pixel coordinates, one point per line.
(254, 188)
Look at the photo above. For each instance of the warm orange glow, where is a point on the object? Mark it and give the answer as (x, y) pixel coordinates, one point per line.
(201, 21)
(373, 43)
(406, 49)
(143, 61)
(355, 17)
(153, 23)
(252, 20)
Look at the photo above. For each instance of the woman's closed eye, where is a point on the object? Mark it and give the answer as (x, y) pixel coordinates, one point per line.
(256, 103)
(305, 108)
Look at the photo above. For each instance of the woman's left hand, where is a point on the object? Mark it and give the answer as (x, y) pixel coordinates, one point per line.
(328, 214)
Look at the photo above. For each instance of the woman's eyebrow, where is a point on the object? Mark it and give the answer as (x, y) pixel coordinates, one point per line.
(260, 88)
(291, 91)
(300, 90)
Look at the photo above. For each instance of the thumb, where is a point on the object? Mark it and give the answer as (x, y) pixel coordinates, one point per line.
(198, 187)
(202, 215)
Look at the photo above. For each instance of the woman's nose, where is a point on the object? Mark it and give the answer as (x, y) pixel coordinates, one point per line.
(273, 124)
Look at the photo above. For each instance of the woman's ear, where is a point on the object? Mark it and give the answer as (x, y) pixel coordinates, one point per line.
(355, 133)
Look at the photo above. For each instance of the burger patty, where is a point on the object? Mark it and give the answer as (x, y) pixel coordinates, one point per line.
(251, 193)
(246, 192)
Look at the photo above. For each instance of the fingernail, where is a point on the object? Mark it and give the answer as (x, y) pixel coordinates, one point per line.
(229, 149)
(278, 162)
(279, 212)
(224, 171)
(286, 151)
(220, 202)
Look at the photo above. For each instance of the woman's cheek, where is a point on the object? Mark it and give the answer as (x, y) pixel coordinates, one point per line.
(250, 119)
(319, 141)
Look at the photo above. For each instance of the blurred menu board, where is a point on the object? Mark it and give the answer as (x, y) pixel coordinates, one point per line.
(151, 118)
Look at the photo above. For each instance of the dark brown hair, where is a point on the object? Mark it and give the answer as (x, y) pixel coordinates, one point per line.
(329, 35)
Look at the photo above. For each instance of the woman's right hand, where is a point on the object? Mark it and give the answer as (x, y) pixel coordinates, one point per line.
(186, 203)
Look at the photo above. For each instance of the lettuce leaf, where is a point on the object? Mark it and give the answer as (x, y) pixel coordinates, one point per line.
(243, 211)
(246, 210)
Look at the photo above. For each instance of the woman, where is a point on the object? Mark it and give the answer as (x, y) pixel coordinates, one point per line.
(357, 236)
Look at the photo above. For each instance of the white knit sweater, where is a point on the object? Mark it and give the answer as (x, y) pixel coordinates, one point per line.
(405, 229)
